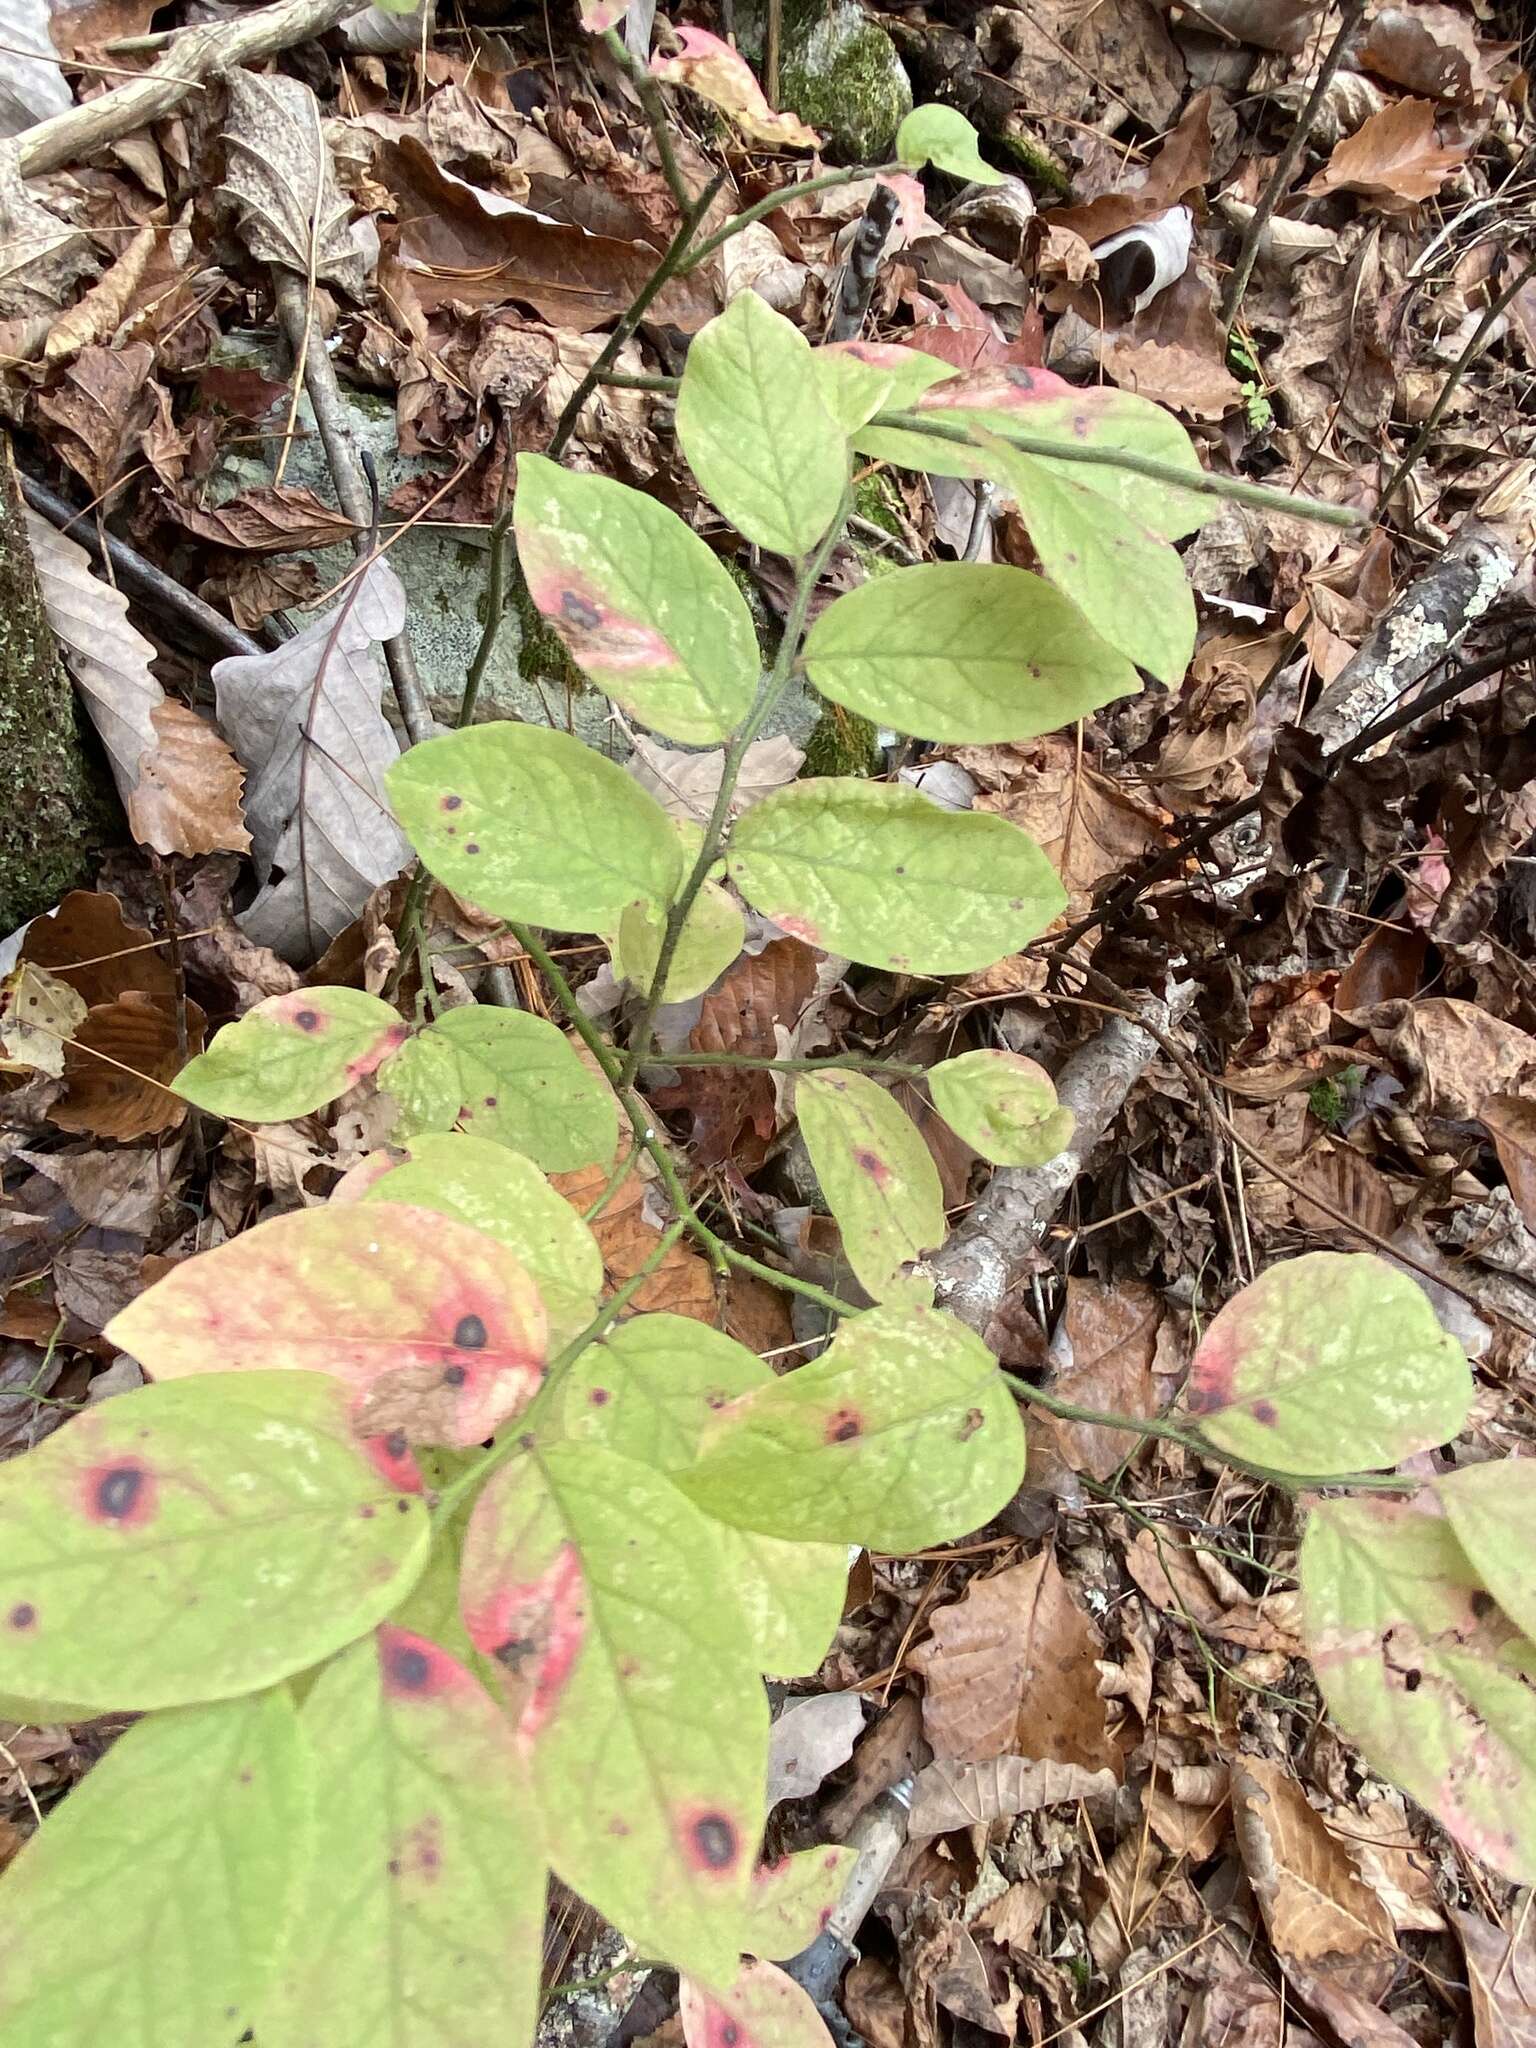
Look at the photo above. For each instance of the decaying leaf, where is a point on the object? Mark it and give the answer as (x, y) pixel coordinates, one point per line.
(809, 1740)
(306, 723)
(280, 177)
(119, 1067)
(720, 75)
(950, 1795)
(38, 1016)
(188, 795)
(1395, 159)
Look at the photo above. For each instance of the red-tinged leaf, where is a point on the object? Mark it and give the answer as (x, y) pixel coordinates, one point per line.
(193, 1542)
(292, 1053)
(420, 1903)
(147, 1912)
(791, 1901)
(437, 1330)
(762, 2009)
(595, 1586)
(718, 73)
(596, 15)
(1328, 1362)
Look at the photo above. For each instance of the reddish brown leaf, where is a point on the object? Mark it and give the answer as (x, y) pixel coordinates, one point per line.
(89, 943)
(97, 410)
(119, 1066)
(1510, 1120)
(253, 588)
(1396, 158)
(188, 798)
(627, 1231)
(268, 521)
(733, 1108)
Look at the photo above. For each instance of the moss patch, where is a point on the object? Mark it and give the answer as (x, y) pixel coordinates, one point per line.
(842, 743)
(842, 74)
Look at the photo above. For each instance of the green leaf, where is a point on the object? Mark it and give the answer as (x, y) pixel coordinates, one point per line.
(860, 378)
(957, 651)
(508, 1076)
(291, 1054)
(711, 939)
(902, 1434)
(1012, 399)
(437, 1331)
(1424, 1672)
(397, 6)
(791, 1901)
(1490, 1507)
(147, 1911)
(1003, 1105)
(193, 1542)
(419, 1915)
(1129, 585)
(533, 825)
(941, 137)
(498, 1191)
(876, 1172)
(628, 1674)
(643, 606)
(648, 1390)
(756, 433)
(886, 877)
(762, 2008)
(1325, 1363)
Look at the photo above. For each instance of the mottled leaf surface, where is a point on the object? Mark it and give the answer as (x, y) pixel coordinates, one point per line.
(643, 606)
(719, 74)
(876, 1172)
(419, 1910)
(762, 2008)
(531, 824)
(886, 877)
(193, 1542)
(437, 1331)
(1328, 1362)
(147, 1911)
(711, 939)
(595, 1586)
(756, 433)
(508, 1076)
(1492, 1509)
(944, 138)
(1424, 1671)
(1003, 1105)
(292, 1053)
(500, 1192)
(1127, 582)
(900, 1435)
(649, 1390)
(955, 651)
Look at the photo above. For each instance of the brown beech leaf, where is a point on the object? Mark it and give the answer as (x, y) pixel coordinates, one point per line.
(1460, 1055)
(254, 588)
(97, 410)
(1010, 1667)
(1395, 158)
(1510, 1120)
(1317, 1911)
(98, 313)
(119, 1066)
(1195, 1587)
(1341, 1176)
(188, 798)
(1201, 386)
(952, 1795)
(1501, 1979)
(271, 520)
(627, 1230)
(89, 943)
(281, 179)
(1104, 1343)
(1429, 49)
(1087, 826)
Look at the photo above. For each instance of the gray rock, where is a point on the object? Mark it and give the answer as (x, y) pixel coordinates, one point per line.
(840, 72)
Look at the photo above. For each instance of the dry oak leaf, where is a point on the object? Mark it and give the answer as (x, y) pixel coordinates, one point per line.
(1501, 1978)
(1010, 1668)
(1194, 1586)
(1459, 1055)
(1426, 48)
(1102, 1350)
(1317, 1911)
(1396, 158)
(1510, 1120)
(953, 1795)
(97, 410)
(188, 798)
(88, 942)
(627, 1229)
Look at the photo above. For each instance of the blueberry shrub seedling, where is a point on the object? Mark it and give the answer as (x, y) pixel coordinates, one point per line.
(431, 1571)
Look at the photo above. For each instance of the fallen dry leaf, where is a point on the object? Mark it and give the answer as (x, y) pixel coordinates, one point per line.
(1008, 1669)
(1458, 1055)
(269, 520)
(1510, 1120)
(1194, 1586)
(188, 798)
(1428, 49)
(809, 1740)
(88, 942)
(719, 74)
(1203, 387)
(1102, 1350)
(954, 1795)
(626, 1231)
(1501, 1977)
(39, 1014)
(118, 1068)
(97, 409)
(282, 182)
(1396, 158)
(1088, 827)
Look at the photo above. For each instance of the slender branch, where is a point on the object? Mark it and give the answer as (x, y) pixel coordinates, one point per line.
(1189, 1440)
(649, 94)
(1203, 482)
(903, 1069)
(1285, 168)
(665, 270)
(761, 208)
(1458, 370)
(633, 380)
(495, 609)
(768, 697)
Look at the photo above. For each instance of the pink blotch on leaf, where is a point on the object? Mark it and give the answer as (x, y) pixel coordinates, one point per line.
(797, 928)
(390, 1456)
(872, 1164)
(411, 1668)
(369, 1062)
(711, 1841)
(120, 1493)
(534, 1631)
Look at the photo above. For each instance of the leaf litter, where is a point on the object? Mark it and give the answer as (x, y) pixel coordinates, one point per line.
(1130, 1819)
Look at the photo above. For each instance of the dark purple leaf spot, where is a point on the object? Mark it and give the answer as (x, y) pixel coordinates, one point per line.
(402, 1507)
(1483, 1604)
(1080, 426)
(395, 1443)
(453, 803)
(1069, 556)
(121, 1493)
(843, 1425)
(515, 1652)
(469, 1333)
(393, 1866)
(575, 607)
(455, 1375)
(407, 1668)
(599, 1397)
(1035, 670)
(307, 1020)
(491, 1101)
(1264, 1411)
(730, 2034)
(1412, 1680)
(713, 1837)
(470, 846)
(23, 1614)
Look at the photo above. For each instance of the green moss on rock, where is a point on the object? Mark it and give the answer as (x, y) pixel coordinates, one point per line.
(842, 743)
(840, 72)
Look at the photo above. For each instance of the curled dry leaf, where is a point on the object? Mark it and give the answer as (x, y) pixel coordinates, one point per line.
(188, 798)
(41, 256)
(950, 1795)
(119, 1066)
(1396, 159)
(1510, 1120)
(1193, 1586)
(108, 658)
(98, 408)
(280, 177)
(1201, 386)
(809, 1740)
(38, 1015)
(267, 521)
(88, 942)
(719, 74)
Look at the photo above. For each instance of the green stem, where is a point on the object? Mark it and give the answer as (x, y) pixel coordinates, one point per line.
(1168, 1432)
(665, 270)
(649, 94)
(627, 380)
(791, 1283)
(1203, 482)
(768, 698)
(901, 1068)
(495, 608)
(762, 207)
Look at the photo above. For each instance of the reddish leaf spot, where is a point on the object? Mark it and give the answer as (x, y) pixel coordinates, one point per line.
(491, 1101)
(711, 1842)
(1264, 1411)
(870, 1163)
(412, 1668)
(453, 803)
(366, 1063)
(23, 1614)
(599, 1397)
(970, 1422)
(1483, 1604)
(797, 927)
(122, 1492)
(534, 1631)
(391, 1457)
(307, 1020)
(575, 608)
(843, 1425)
(469, 1333)
(470, 846)
(419, 1851)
